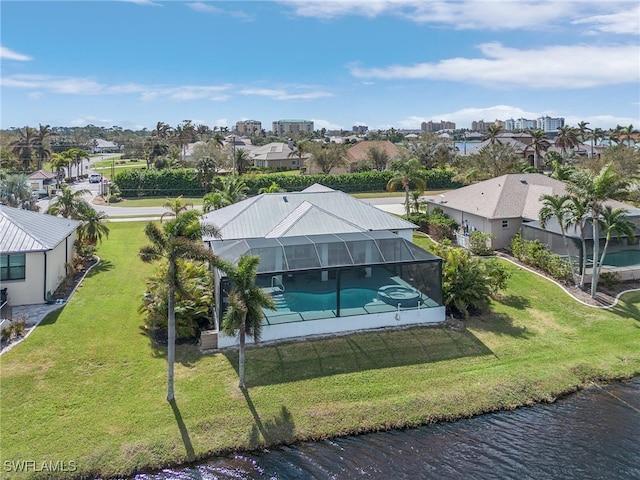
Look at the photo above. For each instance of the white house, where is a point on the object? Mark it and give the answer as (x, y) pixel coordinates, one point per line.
(34, 251)
(331, 263)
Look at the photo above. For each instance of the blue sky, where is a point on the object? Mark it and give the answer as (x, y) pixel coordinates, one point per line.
(388, 63)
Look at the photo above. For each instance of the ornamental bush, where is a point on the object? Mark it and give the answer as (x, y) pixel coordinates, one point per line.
(538, 255)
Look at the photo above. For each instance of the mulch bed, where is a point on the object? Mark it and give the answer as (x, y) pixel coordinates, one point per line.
(67, 287)
(606, 296)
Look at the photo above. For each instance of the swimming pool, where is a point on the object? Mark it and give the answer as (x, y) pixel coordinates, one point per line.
(626, 258)
(298, 301)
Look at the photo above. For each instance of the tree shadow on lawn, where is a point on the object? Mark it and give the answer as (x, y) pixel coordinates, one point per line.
(498, 323)
(184, 433)
(187, 354)
(277, 431)
(314, 358)
(626, 308)
(101, 267)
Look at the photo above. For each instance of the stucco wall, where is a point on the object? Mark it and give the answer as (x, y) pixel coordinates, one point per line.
(342, 325)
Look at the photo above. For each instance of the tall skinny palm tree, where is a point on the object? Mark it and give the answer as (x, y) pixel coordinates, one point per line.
(577, 211)
(407, 173)
(555, 206)
(24, 146)
(179, 238)
(246, 302)
(566, 139)
(42, 147)
(615, 221)
(595, 190)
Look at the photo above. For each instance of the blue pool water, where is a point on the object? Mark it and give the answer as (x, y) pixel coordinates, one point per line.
(628, 258)
(314, 301)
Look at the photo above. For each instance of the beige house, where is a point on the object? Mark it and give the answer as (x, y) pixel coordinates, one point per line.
(42, 182)
(34, 251)
(498, 206)
(357, 154)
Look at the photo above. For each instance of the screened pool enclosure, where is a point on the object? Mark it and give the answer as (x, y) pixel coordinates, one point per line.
(338, 282)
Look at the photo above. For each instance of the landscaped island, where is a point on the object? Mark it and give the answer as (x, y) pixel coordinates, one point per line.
(87, 388)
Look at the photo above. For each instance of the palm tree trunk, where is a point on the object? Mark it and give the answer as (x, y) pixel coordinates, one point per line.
(596, 246)
(241, 355)
(566, 246)
(406, 198)
(584, 260)
(171, 331)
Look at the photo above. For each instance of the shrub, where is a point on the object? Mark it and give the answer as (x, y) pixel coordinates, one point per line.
(536, 254)
(479, 243)
(441, 226)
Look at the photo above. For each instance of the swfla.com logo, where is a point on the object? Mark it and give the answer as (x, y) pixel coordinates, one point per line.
(50, 466)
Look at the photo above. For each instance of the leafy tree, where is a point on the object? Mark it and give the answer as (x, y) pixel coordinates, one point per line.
(490, 162)
(377, 157)
(15, 191)
(555, 207)
(430, 150)
(69, 204)
(246, 300)
(328, 156)
(595, 190)
(180, 238)
(407, 173)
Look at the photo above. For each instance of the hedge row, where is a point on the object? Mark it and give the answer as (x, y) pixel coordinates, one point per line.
(185, 181)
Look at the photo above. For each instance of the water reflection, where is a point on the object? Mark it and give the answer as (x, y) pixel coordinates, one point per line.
(590, 435)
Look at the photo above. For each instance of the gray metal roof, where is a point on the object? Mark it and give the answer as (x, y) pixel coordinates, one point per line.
(312, 212)
(26, 231)
(313, 252)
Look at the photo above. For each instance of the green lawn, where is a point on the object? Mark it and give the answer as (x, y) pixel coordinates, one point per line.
(87, 386)
(156, 201)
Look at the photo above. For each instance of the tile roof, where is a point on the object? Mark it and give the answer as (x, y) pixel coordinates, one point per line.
(314, 211)
(26, 231)
(42, 175)
(359, 151)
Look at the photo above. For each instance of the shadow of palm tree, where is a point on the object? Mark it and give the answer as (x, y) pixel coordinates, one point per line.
(102, 266)
(183, 431)
(626, 308)
(276, 431)
(515, 301)
(186, 354)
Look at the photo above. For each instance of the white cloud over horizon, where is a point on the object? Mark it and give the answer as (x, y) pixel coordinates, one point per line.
(8, 54)
(561, 66)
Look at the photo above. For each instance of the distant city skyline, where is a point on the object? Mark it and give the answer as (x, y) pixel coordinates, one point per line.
(383, 64)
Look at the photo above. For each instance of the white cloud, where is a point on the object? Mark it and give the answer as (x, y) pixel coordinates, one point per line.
(91, 120)
(470, 14)
(285, 95)
(8, 54)
(85, 86)
(319, 124)
(570, 67)
(149, 3)
(205, 8)
(625, 21)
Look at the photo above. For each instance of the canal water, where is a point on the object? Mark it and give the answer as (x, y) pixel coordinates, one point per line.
(594, 434)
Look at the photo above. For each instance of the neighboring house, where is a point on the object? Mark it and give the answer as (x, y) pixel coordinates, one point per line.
(497, 206)
(42, 182)
(277, 155)
(99, 145)
(35, 249)
(331, 262)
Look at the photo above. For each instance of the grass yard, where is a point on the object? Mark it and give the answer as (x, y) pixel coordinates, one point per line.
(156, 201)
(87, 386)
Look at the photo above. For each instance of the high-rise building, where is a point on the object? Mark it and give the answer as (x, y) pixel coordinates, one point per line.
(282, 127)
(360, 129)
(549, 124)
(249, 127)
(431, 126)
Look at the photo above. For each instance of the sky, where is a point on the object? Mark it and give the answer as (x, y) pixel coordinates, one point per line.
(383, 64)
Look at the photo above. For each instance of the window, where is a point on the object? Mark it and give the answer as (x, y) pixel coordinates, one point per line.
(12, 267)
(505, 223)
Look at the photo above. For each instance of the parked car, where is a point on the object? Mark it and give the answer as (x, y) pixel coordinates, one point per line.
(95, 178)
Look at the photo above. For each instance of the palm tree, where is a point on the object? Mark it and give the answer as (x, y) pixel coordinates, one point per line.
(567, 138)
(175, 207)
(407, 173)
(272, 188)
(538, 143)
(43, 149)
(577, 211)
(231, 189)
(594, 190)
(492, 133)
(15, 191)
(179, 238)
(183, 135)
(59, 161)
(162, 130)
(627, 132)
(555, 206)
(246, 300)
(93, 227)
(76, 156)
(615, 222)
(24, 146)
(241, 161)
(69, 204)
(596, 134)
(582, 130)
